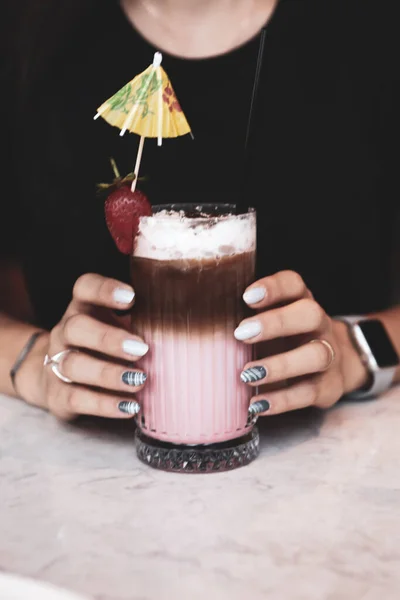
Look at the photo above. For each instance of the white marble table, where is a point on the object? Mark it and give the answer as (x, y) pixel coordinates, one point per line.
(316, 517)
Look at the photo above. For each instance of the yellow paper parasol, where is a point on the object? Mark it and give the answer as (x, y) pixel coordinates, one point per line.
(147, 106)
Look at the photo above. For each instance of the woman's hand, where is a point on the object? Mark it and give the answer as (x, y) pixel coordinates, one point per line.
(321, 365)
(100, 363)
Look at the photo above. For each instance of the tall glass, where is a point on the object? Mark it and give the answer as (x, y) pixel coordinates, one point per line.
(190, 267)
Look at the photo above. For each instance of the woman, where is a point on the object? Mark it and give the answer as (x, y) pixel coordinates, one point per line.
(321, 178)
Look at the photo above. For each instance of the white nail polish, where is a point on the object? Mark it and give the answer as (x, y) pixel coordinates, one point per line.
(248, 330)
(254, 295)
(135, 348)
(122, 296)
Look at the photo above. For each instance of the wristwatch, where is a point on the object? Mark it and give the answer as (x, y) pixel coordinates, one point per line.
(376, 351)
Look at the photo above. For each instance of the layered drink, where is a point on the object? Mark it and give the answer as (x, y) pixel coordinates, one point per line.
(190, 267)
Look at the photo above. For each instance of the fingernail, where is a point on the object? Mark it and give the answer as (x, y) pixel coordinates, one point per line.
(253, 374)
(254, 295)
(134, 378)
(259, 407)
(129, 407)
(248, 331)
(135, 348)
(123, 296)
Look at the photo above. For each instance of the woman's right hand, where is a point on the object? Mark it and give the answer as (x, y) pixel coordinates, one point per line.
(100, 363)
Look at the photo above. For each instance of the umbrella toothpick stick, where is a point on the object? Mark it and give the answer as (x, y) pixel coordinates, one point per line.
(156, 63)
(146, 105)
(138, 161)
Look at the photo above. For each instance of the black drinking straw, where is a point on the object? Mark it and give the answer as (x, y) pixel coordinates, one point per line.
(243, 204)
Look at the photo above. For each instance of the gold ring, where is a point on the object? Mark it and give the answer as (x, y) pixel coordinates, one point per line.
(331, 350)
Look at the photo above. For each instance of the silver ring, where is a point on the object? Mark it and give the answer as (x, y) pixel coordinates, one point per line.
(54, 363)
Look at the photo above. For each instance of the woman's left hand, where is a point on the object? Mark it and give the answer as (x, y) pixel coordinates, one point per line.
(321, 368)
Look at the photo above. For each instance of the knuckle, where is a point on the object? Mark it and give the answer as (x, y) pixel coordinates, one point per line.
(65, 417)
(289, 284)
(339, 388)
(70, 366)
(92, 288)
(81, 285)
(57, 401)
(315, 313)
(56, 332)
(281, 284)
(287, 400)
(104, 406)
(282, 367)
(280, 321)
(336, 388)
(309, 392)
(106, 288)
(73, 400)
(104, 338)
(298, 396)
(51, 401)
(72, 328)
(295, 281)
(107, 376)
(98, 405)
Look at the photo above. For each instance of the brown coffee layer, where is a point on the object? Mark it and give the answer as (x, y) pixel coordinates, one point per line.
(191, 294)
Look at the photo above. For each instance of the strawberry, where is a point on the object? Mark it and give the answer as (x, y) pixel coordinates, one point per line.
(123, 209)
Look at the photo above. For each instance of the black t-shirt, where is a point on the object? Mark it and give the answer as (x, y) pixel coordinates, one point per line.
(322, 174)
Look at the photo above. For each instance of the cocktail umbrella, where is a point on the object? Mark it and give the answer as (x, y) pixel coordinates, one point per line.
(147, 106)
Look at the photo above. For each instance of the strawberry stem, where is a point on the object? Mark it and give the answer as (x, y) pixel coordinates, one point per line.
(115, 168)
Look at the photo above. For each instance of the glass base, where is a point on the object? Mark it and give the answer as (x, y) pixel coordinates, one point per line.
(214, 458)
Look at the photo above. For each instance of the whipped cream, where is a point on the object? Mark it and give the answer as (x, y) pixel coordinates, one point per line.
(170, 235)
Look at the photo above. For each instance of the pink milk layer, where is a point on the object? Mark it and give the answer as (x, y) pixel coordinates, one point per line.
(185, 403)
(189, 279)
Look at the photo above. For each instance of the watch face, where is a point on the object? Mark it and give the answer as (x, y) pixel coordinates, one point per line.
(379, 343)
